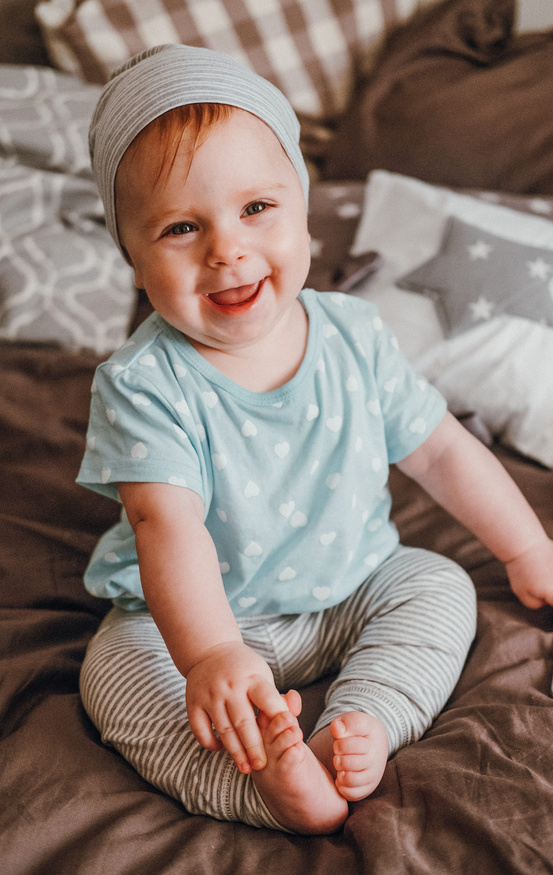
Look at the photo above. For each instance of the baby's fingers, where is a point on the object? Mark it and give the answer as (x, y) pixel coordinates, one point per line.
(202, 729)
(266, 697)
(243, 740)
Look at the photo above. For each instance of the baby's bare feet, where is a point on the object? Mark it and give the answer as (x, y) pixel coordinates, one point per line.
(354, 748)
(360, 753)
(296, 788)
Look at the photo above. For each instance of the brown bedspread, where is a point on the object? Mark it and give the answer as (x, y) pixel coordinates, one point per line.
(475, 795)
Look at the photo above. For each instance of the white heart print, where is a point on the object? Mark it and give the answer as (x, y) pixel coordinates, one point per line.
(333, 480)
(298, 520)
(246, 601)
(327, 538)
(139, 399)
(286, 508)
(210, 399)
(282, 449)
(251, 489)
(418, 426)
(182, 407)
(287, 573)
(334, 423)
(253, 549)
(249, 429)
(177, 481)
(139, 451)
(373, 407)
(180, 433)
(321, 593)
(351, 384)
(329, 330)
(219, 460)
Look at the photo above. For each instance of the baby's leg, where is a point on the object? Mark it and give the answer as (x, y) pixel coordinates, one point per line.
(134, 694)
(296, 787)
(406, 633)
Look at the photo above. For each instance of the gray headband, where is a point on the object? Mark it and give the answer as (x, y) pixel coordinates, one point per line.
(162, 78)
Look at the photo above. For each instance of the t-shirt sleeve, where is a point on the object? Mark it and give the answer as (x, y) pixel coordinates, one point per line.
(140, 431)
(411, 406)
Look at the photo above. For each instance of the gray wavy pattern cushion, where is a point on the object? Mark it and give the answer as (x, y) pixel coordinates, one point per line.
(62, 279)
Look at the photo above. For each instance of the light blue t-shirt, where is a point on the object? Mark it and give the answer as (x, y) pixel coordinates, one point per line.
(294, 481)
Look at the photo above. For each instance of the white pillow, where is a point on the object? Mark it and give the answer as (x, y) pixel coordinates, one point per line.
(502, 369)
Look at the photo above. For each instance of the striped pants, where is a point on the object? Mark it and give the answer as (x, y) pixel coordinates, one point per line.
(397, 644)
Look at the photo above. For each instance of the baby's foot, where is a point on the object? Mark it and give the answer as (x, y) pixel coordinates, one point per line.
(296, 788)
(360, 753)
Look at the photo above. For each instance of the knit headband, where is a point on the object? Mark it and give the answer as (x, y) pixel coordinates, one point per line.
(167, 76)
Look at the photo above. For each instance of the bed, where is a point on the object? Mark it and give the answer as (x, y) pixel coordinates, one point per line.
(441, 138)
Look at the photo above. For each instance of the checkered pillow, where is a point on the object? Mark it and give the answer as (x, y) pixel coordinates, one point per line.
(310, 49)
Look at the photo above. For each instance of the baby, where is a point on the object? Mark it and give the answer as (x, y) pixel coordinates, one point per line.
(247, 427)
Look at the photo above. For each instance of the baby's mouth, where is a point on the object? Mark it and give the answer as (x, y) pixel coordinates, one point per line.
(236, 296)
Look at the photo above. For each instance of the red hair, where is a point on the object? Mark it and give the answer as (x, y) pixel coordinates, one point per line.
(165, 134)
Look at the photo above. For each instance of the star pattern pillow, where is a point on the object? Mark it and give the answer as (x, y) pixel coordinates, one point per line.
(477, 276)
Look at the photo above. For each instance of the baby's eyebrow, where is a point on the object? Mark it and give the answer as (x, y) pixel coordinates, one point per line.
(161, 220)
(186, 212)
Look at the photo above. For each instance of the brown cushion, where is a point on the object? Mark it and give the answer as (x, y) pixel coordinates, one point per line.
(457, 99)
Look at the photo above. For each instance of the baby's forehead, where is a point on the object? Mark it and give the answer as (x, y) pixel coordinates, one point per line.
(180, 132)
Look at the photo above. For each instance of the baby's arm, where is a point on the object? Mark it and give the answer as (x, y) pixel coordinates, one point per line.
(183, 588)
(469, 482)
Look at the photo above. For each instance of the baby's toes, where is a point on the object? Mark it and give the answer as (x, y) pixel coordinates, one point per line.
(354, 794)
(282, 733)
(350, 763)
(355, 745)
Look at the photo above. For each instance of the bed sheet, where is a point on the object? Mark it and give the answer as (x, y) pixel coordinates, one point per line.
(475, 794)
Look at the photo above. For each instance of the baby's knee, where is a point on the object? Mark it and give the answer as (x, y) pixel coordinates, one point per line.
(453, 595)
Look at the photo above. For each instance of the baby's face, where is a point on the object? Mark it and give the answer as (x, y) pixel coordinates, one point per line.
(220, 244)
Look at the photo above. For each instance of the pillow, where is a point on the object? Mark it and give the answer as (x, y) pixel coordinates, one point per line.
(456, 99)
(334, 213)
(62, 279)
(477, 275)
(502, 368)
(21, 41)
(310, 49)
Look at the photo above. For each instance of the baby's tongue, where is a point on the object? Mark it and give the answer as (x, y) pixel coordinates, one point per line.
(234, 296)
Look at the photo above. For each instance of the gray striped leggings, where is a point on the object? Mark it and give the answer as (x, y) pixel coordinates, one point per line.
(398, 644)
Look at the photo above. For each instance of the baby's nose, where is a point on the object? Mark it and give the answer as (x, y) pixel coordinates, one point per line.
(225, 248)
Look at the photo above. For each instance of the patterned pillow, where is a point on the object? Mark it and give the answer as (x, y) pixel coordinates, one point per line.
(477, 276)
(310, 49)
(62, 280)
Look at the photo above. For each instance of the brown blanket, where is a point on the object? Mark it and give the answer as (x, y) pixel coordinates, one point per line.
(474, 795)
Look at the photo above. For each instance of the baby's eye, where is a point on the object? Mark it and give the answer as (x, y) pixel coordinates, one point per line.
(256, 207)
(181, 228)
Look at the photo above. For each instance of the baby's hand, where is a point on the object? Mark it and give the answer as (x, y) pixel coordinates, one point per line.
(531, 574)
(222, 690)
